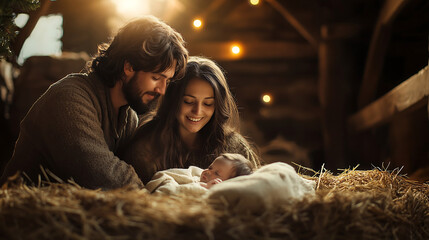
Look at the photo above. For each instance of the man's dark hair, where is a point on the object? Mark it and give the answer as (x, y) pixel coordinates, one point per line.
(147, 43)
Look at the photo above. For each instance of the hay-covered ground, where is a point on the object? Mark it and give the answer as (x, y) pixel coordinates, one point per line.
(371, 204)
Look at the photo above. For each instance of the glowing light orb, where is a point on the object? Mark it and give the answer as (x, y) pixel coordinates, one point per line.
(254, 2)
(132, 8)
(198, 23)
(235, 49)
(266, 98)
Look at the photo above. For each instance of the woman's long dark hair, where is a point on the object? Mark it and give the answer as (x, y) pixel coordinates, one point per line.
(172, 151)
(147, 43)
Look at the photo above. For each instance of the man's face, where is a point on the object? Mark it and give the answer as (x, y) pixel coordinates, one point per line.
(142, 89)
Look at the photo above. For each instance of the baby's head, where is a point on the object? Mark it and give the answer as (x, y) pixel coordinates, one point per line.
(226, 166)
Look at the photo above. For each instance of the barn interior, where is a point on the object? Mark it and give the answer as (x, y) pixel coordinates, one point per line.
(338, 84)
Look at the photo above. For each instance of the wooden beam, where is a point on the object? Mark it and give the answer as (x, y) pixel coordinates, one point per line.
(215, 10)
(335, 31)
(409, 95)
(295, 23)
(377, 51)
(390, 10)
(214, 6)
(311, 113)
(221, 51)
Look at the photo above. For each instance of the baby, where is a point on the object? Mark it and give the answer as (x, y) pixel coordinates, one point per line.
(197, 180)
(226, 166)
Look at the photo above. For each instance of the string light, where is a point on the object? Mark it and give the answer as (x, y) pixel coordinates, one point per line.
(198, 23)
(267, 99)
(235, 49)
(254, 2)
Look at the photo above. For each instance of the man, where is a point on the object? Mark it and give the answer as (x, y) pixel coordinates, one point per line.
(79, 124)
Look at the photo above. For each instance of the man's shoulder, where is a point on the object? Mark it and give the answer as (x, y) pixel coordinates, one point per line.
(70, 81)
(73, 90)
(77, 82)
(73, 79)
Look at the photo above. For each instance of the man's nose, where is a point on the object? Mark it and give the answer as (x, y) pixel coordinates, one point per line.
(161, 86)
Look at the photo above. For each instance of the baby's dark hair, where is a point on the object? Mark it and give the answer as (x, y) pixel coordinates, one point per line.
(242, 165)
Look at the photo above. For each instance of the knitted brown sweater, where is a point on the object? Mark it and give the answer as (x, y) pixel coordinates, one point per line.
(73, 132)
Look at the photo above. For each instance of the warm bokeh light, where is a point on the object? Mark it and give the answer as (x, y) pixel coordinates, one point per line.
(266, 98)
(132, 8)
(198, 23)
(254, 2)
(235, 49)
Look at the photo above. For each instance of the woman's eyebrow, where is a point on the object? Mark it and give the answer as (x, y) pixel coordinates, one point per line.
(187, 95)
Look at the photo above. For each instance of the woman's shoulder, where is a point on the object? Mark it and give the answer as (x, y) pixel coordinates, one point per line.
(234, 137)
(237, 143)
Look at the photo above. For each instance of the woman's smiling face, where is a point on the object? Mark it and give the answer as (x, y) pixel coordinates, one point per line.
(197, 106)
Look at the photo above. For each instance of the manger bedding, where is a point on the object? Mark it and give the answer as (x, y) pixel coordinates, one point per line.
(271, 185)
(370, 204)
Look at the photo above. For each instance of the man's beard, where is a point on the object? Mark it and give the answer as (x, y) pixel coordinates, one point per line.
(134, 97)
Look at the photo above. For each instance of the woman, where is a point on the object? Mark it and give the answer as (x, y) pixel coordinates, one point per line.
(197, 120)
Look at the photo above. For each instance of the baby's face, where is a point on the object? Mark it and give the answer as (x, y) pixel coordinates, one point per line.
(220, 168)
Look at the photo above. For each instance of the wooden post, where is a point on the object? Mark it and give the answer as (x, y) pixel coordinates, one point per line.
(409, 141)
(336, 69)
(377, 50)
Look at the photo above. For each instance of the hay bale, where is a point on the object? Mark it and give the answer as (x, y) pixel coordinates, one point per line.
(370, 204)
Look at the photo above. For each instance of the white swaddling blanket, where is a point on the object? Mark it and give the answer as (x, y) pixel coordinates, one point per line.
(177, 181)
(271, 185)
